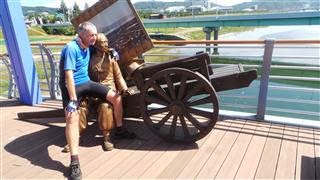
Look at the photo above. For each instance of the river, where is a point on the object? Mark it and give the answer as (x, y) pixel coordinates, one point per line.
(307, 108)
(280, 32)
(277, 33)
(309, 111)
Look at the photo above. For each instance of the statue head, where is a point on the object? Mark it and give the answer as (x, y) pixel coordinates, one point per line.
(101, 43)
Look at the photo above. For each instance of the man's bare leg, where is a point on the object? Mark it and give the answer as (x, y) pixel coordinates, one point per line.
(72, 132)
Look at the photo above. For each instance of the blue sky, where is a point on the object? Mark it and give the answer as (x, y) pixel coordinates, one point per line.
(69, 3)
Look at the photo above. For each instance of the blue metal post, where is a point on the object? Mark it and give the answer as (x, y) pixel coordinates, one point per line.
(18, 47)
(264, 80)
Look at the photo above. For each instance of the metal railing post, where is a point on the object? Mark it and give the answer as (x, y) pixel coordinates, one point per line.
(54, 73)
(41, 46)
(12, 88)
(264, 80)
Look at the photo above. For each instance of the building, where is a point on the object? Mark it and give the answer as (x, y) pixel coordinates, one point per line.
(176, 9)
(195, 9)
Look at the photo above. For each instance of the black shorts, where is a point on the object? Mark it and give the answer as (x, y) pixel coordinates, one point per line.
(89, 88)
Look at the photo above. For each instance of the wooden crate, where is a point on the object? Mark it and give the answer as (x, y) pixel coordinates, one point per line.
(121, 24)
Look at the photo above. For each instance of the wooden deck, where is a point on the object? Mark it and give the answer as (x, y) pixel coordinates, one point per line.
(239, 149)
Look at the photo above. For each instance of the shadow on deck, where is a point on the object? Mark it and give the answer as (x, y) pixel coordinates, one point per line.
(240, 149)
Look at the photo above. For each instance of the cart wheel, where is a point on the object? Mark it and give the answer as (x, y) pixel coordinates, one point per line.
(179, 105)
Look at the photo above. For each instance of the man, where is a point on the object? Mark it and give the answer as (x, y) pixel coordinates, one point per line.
(75, 83)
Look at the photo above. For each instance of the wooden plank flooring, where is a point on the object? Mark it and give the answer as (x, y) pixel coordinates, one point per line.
(235, 149)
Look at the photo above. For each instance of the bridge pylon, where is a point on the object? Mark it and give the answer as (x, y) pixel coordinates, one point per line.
(208, 31)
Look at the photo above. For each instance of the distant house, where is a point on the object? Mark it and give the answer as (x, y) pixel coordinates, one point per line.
(247, 10)
(175, 9)
(195, 9)
(157, 16)
(250, 9)
(45, 13)
(225, 9)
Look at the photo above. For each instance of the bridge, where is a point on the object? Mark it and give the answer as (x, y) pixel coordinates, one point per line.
(280, 19)
(213, 23)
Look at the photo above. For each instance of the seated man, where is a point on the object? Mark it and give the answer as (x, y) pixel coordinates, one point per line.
(104, 69)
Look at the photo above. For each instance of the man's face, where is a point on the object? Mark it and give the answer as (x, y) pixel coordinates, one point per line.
(89, 37)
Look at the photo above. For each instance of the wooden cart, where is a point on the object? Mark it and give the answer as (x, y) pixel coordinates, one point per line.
(176, 99)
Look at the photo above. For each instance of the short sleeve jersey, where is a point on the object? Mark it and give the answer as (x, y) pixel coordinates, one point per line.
(75, 58)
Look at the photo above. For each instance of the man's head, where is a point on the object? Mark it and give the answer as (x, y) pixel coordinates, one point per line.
(101, 43)
(87, 33)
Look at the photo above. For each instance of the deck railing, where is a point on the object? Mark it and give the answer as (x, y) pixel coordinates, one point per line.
(285, 91)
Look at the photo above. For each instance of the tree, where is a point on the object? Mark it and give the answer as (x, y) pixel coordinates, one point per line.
(59, 17)
(51, 18)
(86, 6)
(75, 10)
(63, 10)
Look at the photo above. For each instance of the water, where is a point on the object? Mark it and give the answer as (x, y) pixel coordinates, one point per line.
(279, 102)
(307, 108)
(277, 33)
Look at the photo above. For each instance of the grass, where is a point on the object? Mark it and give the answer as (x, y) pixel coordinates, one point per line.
(199, 35)
(36, 35)
(36, 31)
(164, 30)
(196, 33)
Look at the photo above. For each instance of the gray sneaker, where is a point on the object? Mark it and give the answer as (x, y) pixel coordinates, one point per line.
(75, 171)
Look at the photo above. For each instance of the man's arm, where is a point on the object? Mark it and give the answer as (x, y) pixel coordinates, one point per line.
(70, 85)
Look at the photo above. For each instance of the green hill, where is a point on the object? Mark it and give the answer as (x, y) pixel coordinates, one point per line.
(276, 5)
(270, 5)
(39, 9)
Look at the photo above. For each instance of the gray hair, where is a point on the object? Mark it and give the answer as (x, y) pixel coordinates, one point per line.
(85, 27)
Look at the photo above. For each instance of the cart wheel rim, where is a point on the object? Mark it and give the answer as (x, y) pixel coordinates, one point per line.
(171, 103)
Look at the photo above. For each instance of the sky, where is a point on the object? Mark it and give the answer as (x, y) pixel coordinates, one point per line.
(70, 3)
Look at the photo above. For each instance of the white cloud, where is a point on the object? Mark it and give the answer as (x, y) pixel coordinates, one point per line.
(81, 3)
(56, 3)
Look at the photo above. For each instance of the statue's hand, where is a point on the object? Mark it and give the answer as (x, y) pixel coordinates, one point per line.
(126, 92)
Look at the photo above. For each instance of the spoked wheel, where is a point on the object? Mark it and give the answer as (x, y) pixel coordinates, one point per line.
(179, 105)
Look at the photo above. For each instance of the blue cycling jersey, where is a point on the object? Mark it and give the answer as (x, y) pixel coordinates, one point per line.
(75, 58)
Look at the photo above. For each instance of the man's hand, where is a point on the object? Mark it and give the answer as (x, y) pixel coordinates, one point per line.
(114, 54)
(72, 106)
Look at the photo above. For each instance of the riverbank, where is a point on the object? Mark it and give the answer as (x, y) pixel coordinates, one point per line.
(196, 33)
